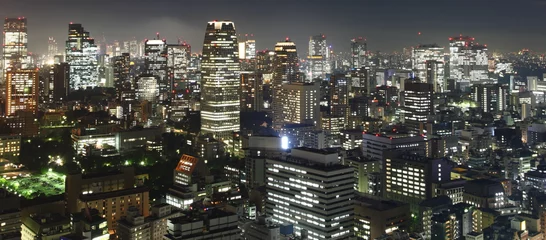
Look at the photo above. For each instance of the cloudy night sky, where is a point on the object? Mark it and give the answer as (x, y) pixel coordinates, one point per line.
(389, 25)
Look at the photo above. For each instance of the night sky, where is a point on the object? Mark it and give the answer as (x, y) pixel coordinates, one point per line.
(389, 25)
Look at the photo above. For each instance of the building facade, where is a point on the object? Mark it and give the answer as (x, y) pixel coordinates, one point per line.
(220, 86)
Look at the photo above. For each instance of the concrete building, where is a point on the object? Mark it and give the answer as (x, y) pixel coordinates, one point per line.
(10, 216)
(10, 146)
(212, 224)
(45, 227)
(490, 98)
(261, 229)
(363, 170)
(484, 193)
(21, 91)
(417, 104)
(409, 177)
(375, 217)
(292, 193)
(115, 204)
(374, 145)
(301, 103)
(135, 226)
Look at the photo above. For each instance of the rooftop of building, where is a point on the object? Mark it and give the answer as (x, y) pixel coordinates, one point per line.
(377, 203)
(195, 215)
(436, 201)
(49, 219)
(105, 195)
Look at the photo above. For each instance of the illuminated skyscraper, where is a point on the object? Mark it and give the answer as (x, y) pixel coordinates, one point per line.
(82, 56)
(21, 91)
(121, 74)
(15, 43)
(247, 49)
(319, 57)
(220, 83)
(177, 65)
(305, 182)
(417, 104)
(285, 70)
(147, 88)
(52, 48)
(301, 103)
(468, 61)
(490, 97)
(359, 49)
(155, 53)
(429, 56)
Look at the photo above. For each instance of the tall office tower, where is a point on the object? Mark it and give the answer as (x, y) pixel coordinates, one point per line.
(82, 56)
(177, 65)
(52, 48)
(490, 97)
(264, 61)
(423, 55)
(147, 88)
(360, 82)
(306, 181)
(434, 75)
(15, 44)
(301, 103)
(59, 84)
(339, 96)
(134, 49)
(417, 104)
(359, 55)
(468, 61)
(285, 70)
(319, 57)
(21, 91)
(247, 49)
(122, 80)
(220, 86)
(155, 64)
(409, 177)
(251, 94)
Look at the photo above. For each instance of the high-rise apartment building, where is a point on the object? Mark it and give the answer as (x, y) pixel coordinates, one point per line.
(285, 70)
(468, 61)
(427, 57)
(122, 80)
(155, 64)
(14, 47)
(301, 103)
(359, 49)
(490, 97)
(82, 56)
(251, 91)
(313, 191)
(338, 100)
(220, 84)
(319, 57)
(21, 91)
(417, 104)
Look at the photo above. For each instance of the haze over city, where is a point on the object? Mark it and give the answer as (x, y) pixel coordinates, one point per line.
(504, 25)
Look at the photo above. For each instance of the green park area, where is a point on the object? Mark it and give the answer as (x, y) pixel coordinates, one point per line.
(31, 186)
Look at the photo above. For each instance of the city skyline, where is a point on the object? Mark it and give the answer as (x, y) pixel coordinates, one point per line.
(385, 25)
